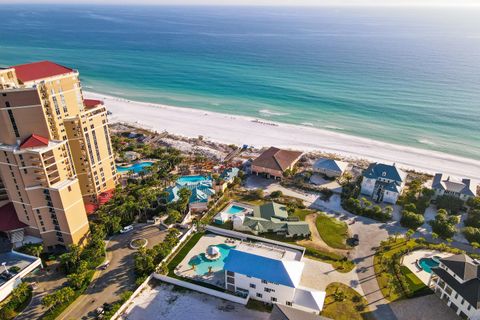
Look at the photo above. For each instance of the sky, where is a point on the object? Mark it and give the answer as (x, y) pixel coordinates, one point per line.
(452, 3)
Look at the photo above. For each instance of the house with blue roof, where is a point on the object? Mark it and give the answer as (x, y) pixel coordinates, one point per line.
(383, 182)
(271, 275)
(202, 191)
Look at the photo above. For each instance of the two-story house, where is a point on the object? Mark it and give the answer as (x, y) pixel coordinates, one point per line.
(383, 182)
(451, 187)
(457, 282)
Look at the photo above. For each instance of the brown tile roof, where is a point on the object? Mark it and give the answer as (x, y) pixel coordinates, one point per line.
(276, 159)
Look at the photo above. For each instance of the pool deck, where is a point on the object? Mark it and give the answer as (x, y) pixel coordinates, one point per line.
(185, 270)
(410, 261)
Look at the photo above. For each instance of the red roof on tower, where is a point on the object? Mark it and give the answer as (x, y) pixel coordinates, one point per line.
(39, 70)
(90, 103)
(8, 218)
(34, 141)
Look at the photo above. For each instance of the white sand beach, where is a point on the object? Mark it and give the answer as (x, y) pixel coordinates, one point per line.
(254, 132)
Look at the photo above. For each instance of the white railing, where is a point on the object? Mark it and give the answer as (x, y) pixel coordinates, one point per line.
(243, 236)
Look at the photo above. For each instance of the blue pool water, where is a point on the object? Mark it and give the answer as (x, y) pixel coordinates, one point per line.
(136, 168)
(202, 263)
(191, 179)
(427, 264)
(235, 209)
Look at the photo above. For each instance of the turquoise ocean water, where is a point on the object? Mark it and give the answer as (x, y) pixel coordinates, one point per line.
(406, 76)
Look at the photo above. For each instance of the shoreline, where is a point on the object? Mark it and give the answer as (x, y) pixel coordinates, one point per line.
(240, 130)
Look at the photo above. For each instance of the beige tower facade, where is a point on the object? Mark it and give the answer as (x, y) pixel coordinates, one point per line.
(55, 151)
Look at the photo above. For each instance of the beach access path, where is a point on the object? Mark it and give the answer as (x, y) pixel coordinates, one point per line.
(240, 130)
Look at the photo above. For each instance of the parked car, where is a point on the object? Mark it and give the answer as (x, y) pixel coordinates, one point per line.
(100, 312)
(126, 229)
(355, 240)
(105, 265)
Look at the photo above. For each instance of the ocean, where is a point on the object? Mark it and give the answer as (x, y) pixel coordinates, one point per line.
(408, 76)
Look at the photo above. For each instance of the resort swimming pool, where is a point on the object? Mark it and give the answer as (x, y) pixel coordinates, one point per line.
(136, 168)
(191, 179)
(202, 264)
(235, 209)
(427, 264)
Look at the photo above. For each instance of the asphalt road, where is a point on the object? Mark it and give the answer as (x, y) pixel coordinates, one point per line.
(119, 277)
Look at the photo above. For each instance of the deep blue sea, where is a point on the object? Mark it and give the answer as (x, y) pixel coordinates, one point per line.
(409, 76)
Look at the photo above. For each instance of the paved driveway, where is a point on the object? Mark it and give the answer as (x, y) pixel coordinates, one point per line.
(117, 278)
(318, 275)
(423, 308)
(48, 282)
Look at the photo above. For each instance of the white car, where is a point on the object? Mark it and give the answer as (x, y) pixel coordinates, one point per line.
(126, 229)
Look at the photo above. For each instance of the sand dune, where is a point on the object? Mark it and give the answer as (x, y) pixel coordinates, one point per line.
(258, 133)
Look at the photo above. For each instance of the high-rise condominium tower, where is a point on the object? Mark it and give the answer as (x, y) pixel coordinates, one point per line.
(55, 154)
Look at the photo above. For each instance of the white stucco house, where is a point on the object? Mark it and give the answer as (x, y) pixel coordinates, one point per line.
(270, 274)
(462, 189)
(383, 182)
(457, 282)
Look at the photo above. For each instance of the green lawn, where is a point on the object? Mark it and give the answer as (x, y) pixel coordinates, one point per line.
(343, 303)
(416, 286)
(341, 264)
(333, 231)
(302, 213)
(183, 253)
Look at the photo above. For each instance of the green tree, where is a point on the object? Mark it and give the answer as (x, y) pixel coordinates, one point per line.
(409, 234)
(71, 260)
(33, 249)
(443, 225)
(78, 278)
(173, 216)
(411, 220)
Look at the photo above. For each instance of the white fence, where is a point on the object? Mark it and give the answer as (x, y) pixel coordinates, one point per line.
(144, 283)
(196, 287)
(243, 236)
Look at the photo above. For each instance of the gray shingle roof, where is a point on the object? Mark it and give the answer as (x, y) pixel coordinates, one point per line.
(469, 290)
(467, 269)
(330, 165)
(448, 184)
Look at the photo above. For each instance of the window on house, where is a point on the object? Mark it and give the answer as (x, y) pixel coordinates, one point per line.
(253, 286)
(264, 281)
(273, 299)
(259, 295)
(288, 303)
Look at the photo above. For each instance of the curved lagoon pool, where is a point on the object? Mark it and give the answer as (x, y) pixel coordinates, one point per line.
(427, 264)
(136, 167)
(202, 264)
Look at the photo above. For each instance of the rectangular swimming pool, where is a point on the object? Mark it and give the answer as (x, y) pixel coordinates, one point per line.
(235, 209)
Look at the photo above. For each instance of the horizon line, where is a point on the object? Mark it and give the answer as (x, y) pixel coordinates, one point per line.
(331, 5)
